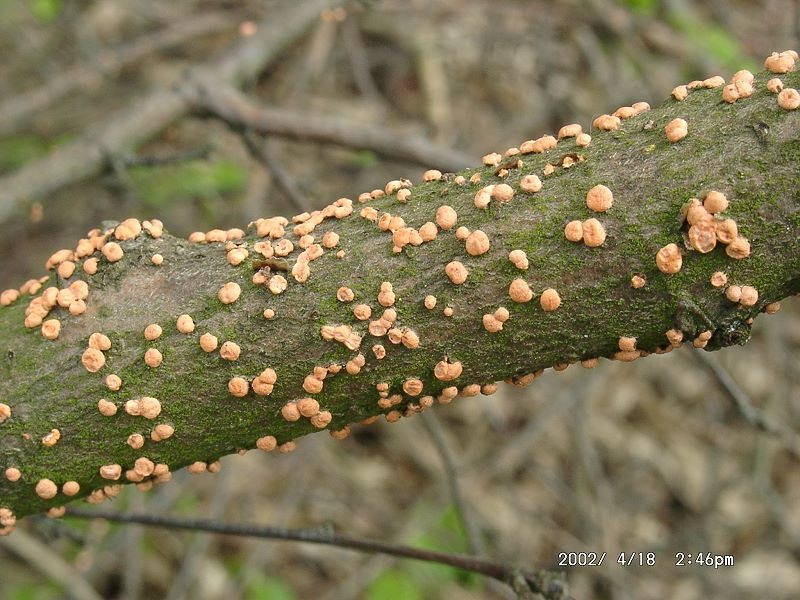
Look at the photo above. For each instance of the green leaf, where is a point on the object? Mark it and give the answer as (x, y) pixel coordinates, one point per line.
(393, 585)
(269, 588)
(46, 11)
(195, 180)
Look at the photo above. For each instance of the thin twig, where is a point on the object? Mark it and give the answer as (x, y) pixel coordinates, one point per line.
(232, 106)
(185, 577)
(434, 428)
(119, 132)
(359, 62)
(745, 406)
(550, 585)
(15, 112)
(170, 159)
(48, 562)
(262, 151)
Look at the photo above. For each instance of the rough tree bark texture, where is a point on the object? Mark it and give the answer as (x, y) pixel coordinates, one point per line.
(748, 150)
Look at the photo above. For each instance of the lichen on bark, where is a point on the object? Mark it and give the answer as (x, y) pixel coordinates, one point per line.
(748, 150)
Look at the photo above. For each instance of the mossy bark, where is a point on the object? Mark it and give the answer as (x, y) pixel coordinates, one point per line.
(749, 150)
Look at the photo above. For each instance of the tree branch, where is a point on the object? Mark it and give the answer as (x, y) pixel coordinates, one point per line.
(218, 403)
(231, 105)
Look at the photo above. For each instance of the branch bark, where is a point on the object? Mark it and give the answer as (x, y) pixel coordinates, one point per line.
(748, 150)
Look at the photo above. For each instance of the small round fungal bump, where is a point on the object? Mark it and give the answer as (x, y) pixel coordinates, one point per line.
(491, 323)
(238, 386)
(599, 198)
(573, 231)
(312, 384)
(519, 259)
(530, 183)
(46, 489)
(184, 324)
(462, 233)
(268, 314)
(148, 407)
(162, 431)
(106, 408)
(112, 251)
(208, 342)
(152, 332)
(492, 159)
(153, 358)
(448, 311)
(718, 279)
(703, 236)
(8, 297)
(549, 300)
(701, 341)
(676, 130)
(669, 259)
(230, 292)
(594, 234)
(430, 302)
(135, 441)
(13, 474)
(362, 312)
(428, 232)
(307, 407)
(780, 62)
(502, 192)
(733, 293)
(70, 488)
(638, 282)
(738, 249)
(726, 230)
(772, 308)
(345, 294)
(50, 329)
(230, 351)
(477, 243)
(93, 360)
(675, 337)
(447, 371)
(113, 382)
(66, 269)
(483, 197)
(714, 81)
(52, 438)
(90, 265)
(607, 122)
(267, 443)
(789, 99)
(112, 472)
(65, 297)
(290, 412)
(197, 467)
(775, 85)
(520, 291)
(456, 272)
(571, 130)
(715, 202)
(157, 259)
(748, 296)
(77, 307)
